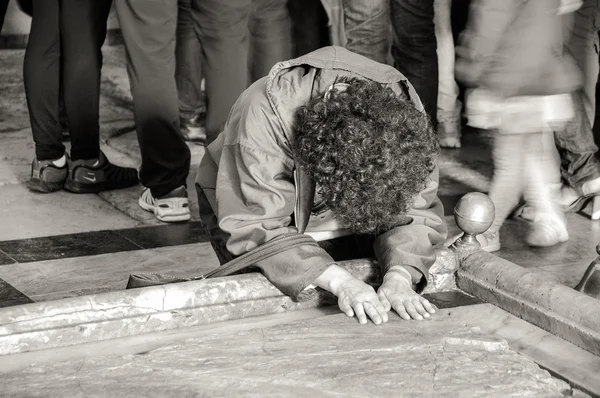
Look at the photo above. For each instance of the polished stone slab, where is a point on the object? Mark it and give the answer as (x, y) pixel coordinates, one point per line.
(84, 319)
(5, 259)
(165, 235)
(324, 356)
(10, 296)
(79, 276)
(65, 246)
(535, 296)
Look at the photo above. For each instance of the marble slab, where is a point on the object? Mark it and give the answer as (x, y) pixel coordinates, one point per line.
(327, 356)
(78, 276)
(10, 296)
(534, 296)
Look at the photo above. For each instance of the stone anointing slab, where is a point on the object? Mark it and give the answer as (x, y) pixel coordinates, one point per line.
(324, 356)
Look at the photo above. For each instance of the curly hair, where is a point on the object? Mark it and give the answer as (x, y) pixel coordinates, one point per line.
(369, 150)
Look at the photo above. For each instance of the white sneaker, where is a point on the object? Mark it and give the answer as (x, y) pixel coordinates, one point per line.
(173, 207)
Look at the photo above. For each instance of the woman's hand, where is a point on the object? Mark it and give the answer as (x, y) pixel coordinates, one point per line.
(355, 297)
(396, 292)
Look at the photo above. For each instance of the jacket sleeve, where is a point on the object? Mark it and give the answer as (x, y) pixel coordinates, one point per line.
(413, 245)
(487, 23)
(255, 193)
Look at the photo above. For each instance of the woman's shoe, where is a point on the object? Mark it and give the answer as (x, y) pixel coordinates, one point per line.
(571, 202)
(489, 241)
(548, 232)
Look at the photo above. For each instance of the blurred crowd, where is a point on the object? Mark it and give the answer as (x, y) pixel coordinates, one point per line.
(526, 68)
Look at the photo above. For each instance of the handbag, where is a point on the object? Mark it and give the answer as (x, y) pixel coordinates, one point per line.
(264, 251)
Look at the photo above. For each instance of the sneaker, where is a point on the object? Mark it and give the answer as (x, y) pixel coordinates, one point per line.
(548, 232)
(98, 175)
(46, 176)
(449, 130)
(173, 207)
(192, 129)
(490, 241)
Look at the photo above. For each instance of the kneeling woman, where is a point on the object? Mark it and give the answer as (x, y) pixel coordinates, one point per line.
(335, 146)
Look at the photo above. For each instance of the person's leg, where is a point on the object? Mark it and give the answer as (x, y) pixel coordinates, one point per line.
(542, 185)
(83, 30)
(270, 36)
(577, 150)
(222, 28)
(309, 26)
(41, 70)
(3, 7)
(148, 29)
(367, 27)
(448, 106)
(41, 78)
(414, 49)
(583, 44)
(507, 184)
(188, 75)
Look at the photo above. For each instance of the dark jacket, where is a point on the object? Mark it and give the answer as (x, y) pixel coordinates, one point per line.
(247, 191)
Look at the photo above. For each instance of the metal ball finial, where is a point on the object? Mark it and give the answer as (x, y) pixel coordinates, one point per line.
(474, 214)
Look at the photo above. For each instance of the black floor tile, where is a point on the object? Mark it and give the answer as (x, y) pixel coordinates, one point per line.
(66, 246)
(5, 260)
(10, 296)
(165, 235)
(454, 298)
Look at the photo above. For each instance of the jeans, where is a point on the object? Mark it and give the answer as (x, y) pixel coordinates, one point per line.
(414, 49)
(448, 105)
(576, 142)
(149, 29)
(241, 41)
(366, 25)
(188, 72)
(71, 33)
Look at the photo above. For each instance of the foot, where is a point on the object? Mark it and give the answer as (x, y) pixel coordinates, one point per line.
(489, 241)
(449, 133)
(192, 129)
(547, 232)
(48, 175)
(450, 142)
(172, 207)
(98, 175)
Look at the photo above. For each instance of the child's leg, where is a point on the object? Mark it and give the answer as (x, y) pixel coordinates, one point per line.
(507, 183)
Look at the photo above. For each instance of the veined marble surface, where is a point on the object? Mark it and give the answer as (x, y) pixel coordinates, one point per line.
(325, 356)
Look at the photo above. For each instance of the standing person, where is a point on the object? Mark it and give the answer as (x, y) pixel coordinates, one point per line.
(241, 40)
(523, 88)
(149, 28)
(65, 48)
(188, 75)
(414, 48)
(335, 146)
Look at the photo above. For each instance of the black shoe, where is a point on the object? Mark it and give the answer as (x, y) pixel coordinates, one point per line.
(98, 175)
(46, 177)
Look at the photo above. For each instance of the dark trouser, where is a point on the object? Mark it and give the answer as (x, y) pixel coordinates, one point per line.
(3, 7)
(148, 28)
(414, 49)
(70, 32)
(241, 41)
(188, 72)
(577, 149)
(309, 26)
